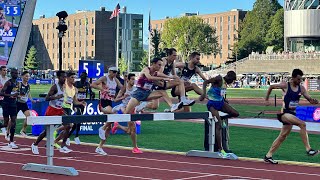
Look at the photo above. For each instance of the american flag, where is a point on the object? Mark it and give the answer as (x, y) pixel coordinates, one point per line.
(115, 12)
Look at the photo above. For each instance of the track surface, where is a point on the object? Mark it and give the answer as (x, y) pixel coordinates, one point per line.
(122, 164)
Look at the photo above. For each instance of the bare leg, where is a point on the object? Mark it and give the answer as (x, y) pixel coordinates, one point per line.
(215, 113)
(24, 126)
(154, 104)
(226, 108)
(285, 131)
(108, 129)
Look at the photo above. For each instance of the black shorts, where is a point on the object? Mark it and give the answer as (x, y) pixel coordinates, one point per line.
(9, 111)
(157, 87)
(22, 107)
(79, 109)
(285, 112)
(104, 103)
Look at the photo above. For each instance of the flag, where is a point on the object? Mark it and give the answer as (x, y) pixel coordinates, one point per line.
(115, 12)
(150, 28)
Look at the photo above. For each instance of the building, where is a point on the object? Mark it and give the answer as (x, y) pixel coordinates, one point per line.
(301, 26)
(90, 35)
(226, 25)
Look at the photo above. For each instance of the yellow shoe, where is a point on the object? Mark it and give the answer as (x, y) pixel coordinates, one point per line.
(55, 134)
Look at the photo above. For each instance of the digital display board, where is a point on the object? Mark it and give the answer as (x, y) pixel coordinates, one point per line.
(11, 12)
(94, 69)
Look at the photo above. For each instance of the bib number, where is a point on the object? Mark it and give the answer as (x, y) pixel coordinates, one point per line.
(147, 86)
(81, 96)
(24, 99)
(59, 103)
(112, 92)
(69, 100)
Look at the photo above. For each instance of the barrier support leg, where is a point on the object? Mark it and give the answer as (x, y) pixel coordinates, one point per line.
(49, 167)
(211, 153)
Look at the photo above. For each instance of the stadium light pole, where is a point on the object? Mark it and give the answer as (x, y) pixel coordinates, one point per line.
(62, 27)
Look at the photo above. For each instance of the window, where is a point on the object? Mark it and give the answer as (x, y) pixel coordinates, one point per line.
(137, 34)
(79, 22)
(68, 44)
(137, 23)
(52, 45)
(52, 55)
(75, 54)
(92, 42)
(86, 43)
(79, 54)
(47, 26)
(53, 35)
(75, 44)
(52, 25)
(64, 45)
(92, 54)
(92, 31)
(64, 55)
(80, 44)
(92, 20)
(136, 44)
(75, 33)
(75, 22)
(234, 19)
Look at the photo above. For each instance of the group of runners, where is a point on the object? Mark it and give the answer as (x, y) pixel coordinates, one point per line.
(138, 94)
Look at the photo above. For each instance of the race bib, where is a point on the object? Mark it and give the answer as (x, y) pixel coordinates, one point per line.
(185, 78)
(59, 103)
(81, 95)
(223, 92)
(69, 100)
(293, 104)
(24, 99)
(112, 92)
(147, 86)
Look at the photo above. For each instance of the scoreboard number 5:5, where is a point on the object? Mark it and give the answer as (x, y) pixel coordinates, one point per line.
(85, 67)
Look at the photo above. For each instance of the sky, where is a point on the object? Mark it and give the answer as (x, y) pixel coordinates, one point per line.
(159, 8)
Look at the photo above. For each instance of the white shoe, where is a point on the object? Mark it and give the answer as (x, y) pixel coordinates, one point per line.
(188, 102)
(12, 145)
(141, 106)
(34, 149)
(102, 133)
(167, 110)
(177, 106)
(4, 131)
(23, 134)
(65, 150)
(68, 142)
(77, 140)
(101, 151)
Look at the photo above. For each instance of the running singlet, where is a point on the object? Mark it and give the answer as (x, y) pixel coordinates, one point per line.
(24, 93)
(12, 89)
(126, 100)
(57, 103)
(82, 90)
(2, 82)
(291, 99)
(187, 73)
(217, 93)
(110, 89)
(168, 69)
(144, 83)
(69, 93)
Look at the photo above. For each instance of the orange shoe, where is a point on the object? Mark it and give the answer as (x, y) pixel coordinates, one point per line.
(114, 128)
(136, 150)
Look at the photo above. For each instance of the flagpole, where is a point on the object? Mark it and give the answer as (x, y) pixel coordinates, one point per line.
(149, 46)
(117, 45)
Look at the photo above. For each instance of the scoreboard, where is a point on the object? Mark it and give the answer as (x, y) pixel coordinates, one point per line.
(93, 68)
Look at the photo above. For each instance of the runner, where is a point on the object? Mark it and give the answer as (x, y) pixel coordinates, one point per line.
(217, 103)
(3, 80)
(291, 96)
(10, 91)
(84, 89)
(55, 98)
(24, 88)
(107, 86)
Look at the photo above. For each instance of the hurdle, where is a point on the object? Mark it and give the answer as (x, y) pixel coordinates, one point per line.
(50, 121)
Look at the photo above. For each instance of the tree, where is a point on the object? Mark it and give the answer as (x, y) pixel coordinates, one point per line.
(123, 65)
(189, 34)
(155, 42)
(31, 62)
(276, 32)
(144, 60)
(255, 27)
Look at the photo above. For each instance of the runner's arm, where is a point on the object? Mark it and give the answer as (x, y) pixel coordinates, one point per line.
(75, 99)
(173, 70)
(282, 85)
(3, 90)
(118, 83)
(198, 71)
(180, 65)
(53, 90)
(120, 95)
(306, 95)
(96, 84)
(146, 72)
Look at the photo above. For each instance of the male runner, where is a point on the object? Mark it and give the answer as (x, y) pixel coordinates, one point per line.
(292, 93)
(3, 80)
(107, 86)
(83, 87)
(24, 89)
(217, 103)
(10, 91)
(55, 98)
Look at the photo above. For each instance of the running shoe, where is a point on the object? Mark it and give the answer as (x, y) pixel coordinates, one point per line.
(167, 110)
(140, 107)
(55, 134)
(4, 131)
(64, 149)
(12, 145)
(177, 106)
(100, 151)
(77, 140)
(136, 150)
(34, 149)
(312, 152)
(188, 102)
(7, 137)
(223, 154)
(23, 133)
(269, 160)
(68, 142)
(114, 128)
